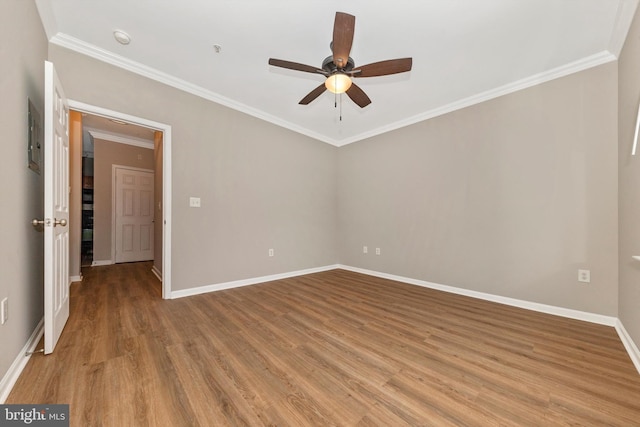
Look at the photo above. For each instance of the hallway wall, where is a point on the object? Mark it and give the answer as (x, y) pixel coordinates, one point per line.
(23, 52)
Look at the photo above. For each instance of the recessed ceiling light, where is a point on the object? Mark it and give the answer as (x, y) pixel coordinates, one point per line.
(121, 37)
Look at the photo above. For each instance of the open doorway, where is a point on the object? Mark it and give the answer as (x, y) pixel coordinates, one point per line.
(111, 140)
(109, 145)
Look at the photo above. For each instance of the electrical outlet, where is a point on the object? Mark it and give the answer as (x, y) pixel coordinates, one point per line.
(584, 276)
(365, 250)
(194, 202)
(4, 309)
(271, 252)
(377, 251)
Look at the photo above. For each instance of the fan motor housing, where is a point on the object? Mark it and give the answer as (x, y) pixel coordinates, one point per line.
(332, 68)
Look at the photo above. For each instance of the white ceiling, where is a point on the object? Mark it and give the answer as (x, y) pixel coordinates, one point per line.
(464, 51)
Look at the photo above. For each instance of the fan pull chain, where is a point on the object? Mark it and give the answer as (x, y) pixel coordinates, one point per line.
(335, 98)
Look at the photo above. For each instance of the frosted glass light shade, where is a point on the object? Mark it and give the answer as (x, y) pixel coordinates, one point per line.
(338, 83)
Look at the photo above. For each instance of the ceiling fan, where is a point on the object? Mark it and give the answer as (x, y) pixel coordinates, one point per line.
(339, 69)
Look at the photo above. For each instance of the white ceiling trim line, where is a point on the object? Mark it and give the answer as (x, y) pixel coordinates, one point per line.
(45, 10)
(624, 17)
(122, 139)
(92, 51)
(100, 54)
(565, 70)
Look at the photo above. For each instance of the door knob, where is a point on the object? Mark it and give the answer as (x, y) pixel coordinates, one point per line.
(37, 222)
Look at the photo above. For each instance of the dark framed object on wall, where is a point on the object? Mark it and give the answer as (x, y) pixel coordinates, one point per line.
(34, 141)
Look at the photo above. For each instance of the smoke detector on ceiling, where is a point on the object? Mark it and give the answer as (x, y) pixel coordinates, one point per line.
(121, 37)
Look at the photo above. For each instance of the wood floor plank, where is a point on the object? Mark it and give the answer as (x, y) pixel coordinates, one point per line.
(335, 348)
(191, 364)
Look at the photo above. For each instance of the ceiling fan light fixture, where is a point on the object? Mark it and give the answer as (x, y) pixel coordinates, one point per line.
(338, 73)
(338, 83)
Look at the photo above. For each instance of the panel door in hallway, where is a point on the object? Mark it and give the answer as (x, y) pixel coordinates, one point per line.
(133, 214)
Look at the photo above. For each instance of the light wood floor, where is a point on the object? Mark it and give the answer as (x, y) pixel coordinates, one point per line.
(333, 348)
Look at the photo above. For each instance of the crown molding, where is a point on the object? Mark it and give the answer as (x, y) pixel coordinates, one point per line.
(47, 17)
(95, 52)
(562, 71)
(122, 139)
(103, 55)
(624, 17)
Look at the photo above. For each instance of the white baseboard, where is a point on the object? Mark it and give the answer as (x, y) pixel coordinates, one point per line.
(629, 345)
(534, 306)
(75, 278)
(543, 308)
(10, 378)
(246, 282)
(157, 272)
(101, 262)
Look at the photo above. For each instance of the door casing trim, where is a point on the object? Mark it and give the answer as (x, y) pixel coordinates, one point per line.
(166, 177)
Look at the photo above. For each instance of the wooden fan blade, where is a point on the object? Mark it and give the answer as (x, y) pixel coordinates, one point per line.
(358, 96)
(295, 66)
(313, 94)
(384, 68)
(343, 28)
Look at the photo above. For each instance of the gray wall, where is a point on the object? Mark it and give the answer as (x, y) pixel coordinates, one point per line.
(22, 55)
(261, 186)
(509, 197)
(107, 154)
(629, 183)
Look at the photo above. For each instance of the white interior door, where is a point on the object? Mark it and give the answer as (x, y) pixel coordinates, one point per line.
(56, 209)
(133, 213)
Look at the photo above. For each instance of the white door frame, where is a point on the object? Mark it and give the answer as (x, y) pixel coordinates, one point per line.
(113, 203)
(166, 178)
